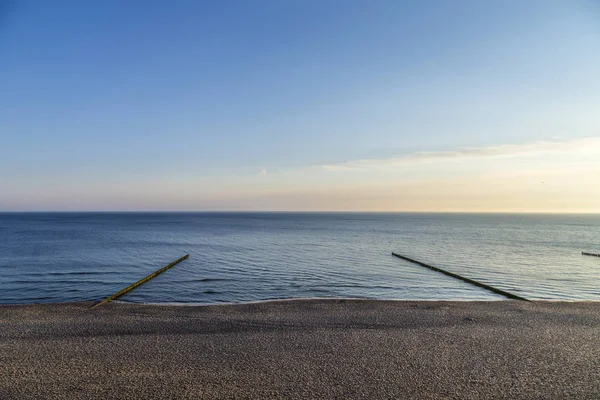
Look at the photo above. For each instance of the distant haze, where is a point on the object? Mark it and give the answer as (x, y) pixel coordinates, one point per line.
(483, 106)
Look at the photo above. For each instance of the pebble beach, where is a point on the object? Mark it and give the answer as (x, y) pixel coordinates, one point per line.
(304, 349)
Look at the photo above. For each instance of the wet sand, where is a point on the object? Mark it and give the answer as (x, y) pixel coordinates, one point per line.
(314, 349)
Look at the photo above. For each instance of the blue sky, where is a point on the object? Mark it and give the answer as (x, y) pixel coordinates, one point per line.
(251, 105)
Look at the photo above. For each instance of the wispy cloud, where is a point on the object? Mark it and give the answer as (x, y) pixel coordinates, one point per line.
(528, 149)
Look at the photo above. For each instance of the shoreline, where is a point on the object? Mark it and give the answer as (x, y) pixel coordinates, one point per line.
(324, 348)
(294, 299)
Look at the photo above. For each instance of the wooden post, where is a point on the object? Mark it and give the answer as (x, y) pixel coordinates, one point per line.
(590, 254)
(471, 281)
(141, 281)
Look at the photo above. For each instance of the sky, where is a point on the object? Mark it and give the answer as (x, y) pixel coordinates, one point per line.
(301, 105)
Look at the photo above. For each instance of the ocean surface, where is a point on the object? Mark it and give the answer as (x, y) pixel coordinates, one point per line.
(239, 257)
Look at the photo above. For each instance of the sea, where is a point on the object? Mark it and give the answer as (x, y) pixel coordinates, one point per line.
(246, 257)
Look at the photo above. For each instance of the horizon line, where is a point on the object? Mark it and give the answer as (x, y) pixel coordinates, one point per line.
(297, 212)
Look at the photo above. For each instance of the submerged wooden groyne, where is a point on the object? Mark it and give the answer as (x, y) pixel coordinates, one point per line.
(462, 278)
(590, 254)
(141, 281)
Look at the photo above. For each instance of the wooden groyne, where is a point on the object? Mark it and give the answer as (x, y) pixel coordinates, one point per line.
(141, 281)
(462, 278)
(590, 254)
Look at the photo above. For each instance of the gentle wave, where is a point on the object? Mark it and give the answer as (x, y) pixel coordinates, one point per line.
(250, 257)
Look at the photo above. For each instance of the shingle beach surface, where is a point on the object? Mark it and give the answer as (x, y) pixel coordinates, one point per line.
(313, 349)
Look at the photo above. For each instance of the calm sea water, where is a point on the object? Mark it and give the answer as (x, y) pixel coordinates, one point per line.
(235, 257)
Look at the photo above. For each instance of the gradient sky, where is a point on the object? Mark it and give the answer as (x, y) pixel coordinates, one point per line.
(300, 105)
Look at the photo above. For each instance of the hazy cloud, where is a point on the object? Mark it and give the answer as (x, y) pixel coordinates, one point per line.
(528, 149)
